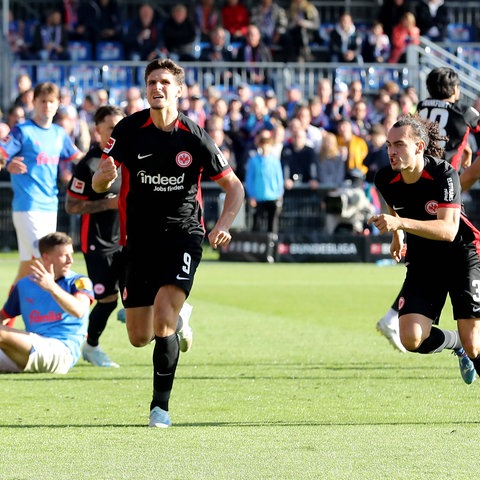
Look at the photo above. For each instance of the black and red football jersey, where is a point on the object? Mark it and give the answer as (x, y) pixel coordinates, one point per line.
(455, 120)
(161, 174)
(100, 231)
(438, 187)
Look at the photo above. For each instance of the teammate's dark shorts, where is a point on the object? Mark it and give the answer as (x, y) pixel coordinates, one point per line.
(426, 287)
(172, 260)
(106, 272)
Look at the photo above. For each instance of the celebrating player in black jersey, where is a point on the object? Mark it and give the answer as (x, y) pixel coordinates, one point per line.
(163, 155)
(423, 196)
(455, 121)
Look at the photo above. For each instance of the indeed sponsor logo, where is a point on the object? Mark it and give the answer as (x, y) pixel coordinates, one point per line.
(162, 183)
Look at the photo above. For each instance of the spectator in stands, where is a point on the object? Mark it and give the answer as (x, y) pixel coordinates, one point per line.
(85, 27)
(376, 44)
(245, 95)
(208, 17)
(314, 134)
(259, 119)
(376, 113)
(406, 104)
(357, 147)
(377, 156)
(24, 83)
(220, 109)
(317, 111)
(235, 18)
(325, 90)
(432, 19)
(355, 92)
(332, 161)
(54, 302)
(50, 39)
(217, 49)
(69, 11)
(110, 22)
(392, 114)
(143, 39)
(404, 33)
(16, 37)
(196, 110)
(179, 33)
(339, 107)
(223, 141)
(264, 184)
(35, 183)
(255, 53)
(272, 22)
(303, 27)
(25, 100)
(361, 126)
(233, 128)
(78, 129)
(299, 161)
(345, 44)
(390, 13)
(294, 99)
(15, 114)
(134, 101)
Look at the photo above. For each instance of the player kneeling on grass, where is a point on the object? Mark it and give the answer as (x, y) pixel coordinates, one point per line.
(423, 195)
(54, 302)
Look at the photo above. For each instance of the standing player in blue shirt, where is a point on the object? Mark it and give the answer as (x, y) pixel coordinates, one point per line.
(36, 151)
(54, 302)
(163, 155)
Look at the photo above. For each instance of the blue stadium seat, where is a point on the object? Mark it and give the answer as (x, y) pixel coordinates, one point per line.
(51, 72)
(80, 50)
(460, 32)
(107, 51)
(470, 55)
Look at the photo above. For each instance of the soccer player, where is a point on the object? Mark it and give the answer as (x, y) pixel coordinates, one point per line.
(54, 302)
(456, 121)
(36, 151)
(99, 234)
(423, 195)
(163, 155)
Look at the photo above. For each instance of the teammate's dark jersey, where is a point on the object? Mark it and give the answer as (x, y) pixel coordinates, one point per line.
(438, 187)
(99, 232)
(161, 175)
(455, 121)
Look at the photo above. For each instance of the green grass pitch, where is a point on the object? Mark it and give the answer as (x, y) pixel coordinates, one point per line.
(287, 379)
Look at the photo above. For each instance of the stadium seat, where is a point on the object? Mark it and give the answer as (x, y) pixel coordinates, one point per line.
(470, 55)
(50, 72)
(80, 50)
(459, 32)
(108, 51)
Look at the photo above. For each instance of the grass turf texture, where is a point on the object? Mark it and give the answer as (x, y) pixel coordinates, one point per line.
(287, 379)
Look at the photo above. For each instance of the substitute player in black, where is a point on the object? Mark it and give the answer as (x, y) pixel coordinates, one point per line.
(99, 234)
(423, 195)
(456, 121)
(163, 155)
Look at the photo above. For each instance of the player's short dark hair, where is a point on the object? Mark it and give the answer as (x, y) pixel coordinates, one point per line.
(105, 111)
(46, 88)
(441, 82)
(166, 64)
(51, 240)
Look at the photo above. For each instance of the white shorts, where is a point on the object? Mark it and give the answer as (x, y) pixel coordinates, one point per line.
(30, 227)
(48, 355)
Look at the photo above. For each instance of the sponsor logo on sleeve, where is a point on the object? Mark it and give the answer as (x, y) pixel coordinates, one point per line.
(109, 145)
(77, 186)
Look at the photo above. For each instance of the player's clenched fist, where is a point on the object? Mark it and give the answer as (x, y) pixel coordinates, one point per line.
(105, 175)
